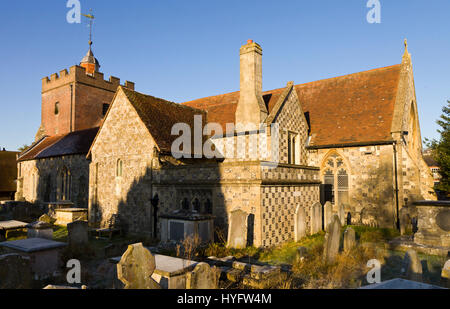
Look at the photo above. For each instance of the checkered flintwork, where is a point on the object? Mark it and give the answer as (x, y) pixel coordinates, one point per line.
(291, 119)
(278, 211)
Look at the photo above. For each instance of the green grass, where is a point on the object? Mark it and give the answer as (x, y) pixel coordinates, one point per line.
(373, 234)
(59, 234)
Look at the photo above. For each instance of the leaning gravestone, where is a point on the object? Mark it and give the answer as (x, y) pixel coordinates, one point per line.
(327, 214)
(316, 218)
(78, 234)
(349, 239)
(300, 223)
(203, 277)
(136, 267)
(445, 275)
(237, 229)
(341, 214)
(405, 221)
(46, 218)
(15, 272)
(332, 240)
(412, 267)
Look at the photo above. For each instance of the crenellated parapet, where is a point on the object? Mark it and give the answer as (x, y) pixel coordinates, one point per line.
(77, 74)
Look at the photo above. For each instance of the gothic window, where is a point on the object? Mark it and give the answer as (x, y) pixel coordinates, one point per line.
(65, 184)
(336, 179)
(196, 205)
(208, 207)
(185, 204)
(293, 148)
(119, 167)
(56, 108)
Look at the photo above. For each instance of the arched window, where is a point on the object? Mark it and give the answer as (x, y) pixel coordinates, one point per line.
(208, 207)
(196, 205)
(185, 204)
(65, 184)
(119, 168)
(335, 178)
(56, 108)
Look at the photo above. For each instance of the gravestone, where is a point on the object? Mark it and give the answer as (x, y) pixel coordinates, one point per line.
(78, 233)
(203, 277)
(136, 268)
(301, 254)
(15, 272)
(405, 221)
(332, 240)
(327, 214)
(39, 229)
(237, 229)
(341, 214)
(412, 267)
(299, 223)
(316, 218)
(445, 274)
(349, 239)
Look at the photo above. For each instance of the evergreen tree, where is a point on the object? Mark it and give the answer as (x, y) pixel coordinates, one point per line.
(441, 149)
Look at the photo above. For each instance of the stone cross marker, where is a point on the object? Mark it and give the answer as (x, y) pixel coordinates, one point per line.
(349, 239)
(316, 218)
(136, 268)
(332, 240)
(237, 229)
(15, 272)
(203, 277)
(300, 223)
(328, 214)
(412, 267)
(445, 275)
(78, 233)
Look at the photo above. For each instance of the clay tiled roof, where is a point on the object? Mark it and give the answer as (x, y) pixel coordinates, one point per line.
(355, 108)
(8, 171)
(159, 116)
(77, 142)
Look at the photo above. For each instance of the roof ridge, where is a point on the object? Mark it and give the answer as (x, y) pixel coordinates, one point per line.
(295, 85)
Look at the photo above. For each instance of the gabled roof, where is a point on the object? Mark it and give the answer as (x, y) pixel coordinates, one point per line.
(72, 143)
(355, 108)
(159, 116)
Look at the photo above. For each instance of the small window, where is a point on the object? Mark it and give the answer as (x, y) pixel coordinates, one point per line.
(208, 207)
(119, 168)
(105, 108)
(292, 148)
(56, 108)
(196, 205)
(185, 204)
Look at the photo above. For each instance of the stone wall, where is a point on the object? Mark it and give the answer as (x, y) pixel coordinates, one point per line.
(40, 180)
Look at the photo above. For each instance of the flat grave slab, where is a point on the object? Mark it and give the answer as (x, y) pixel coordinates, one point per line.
(32, 244)
(12, 225)
(402, 284)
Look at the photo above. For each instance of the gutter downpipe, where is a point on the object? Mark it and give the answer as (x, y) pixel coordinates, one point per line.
(397, 218)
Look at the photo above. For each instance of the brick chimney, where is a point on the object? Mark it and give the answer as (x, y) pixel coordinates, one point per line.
(251, 108)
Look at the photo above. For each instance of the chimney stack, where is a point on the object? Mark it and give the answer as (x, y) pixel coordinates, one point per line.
(251, 108)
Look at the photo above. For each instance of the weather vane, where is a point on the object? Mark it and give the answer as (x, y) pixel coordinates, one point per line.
(91, 21)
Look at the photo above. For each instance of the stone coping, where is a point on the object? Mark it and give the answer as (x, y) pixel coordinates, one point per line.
(12, 224)
(167, 266)
(30, 245)
(396, 284)
(187, 216)
(432, 203)
(71, 210)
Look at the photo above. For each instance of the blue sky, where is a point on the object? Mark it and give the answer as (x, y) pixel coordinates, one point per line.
(186, 49)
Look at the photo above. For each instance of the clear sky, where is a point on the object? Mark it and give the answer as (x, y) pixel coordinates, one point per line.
(181, 50)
